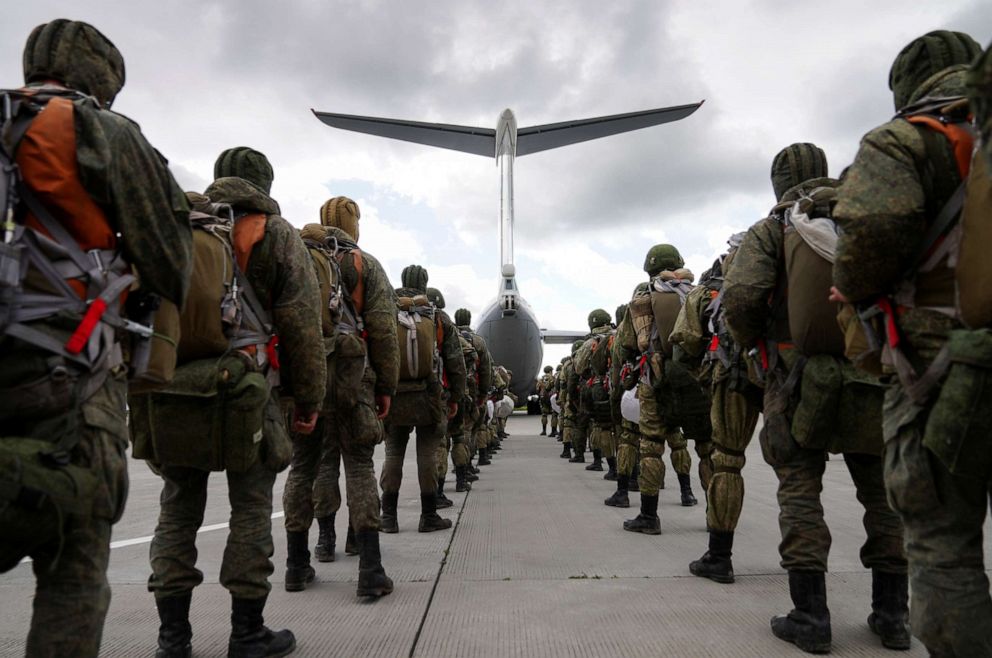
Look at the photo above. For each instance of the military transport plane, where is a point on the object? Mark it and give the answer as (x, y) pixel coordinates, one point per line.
(508, 324)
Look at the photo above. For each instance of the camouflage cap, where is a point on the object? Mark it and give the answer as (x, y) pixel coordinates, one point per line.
(436, 297)
(662, 257)
(463, 317)
(343, 213)
(980, 96)
(414, 276)
(576, 345)
(547, 369)
(795, 164)
(77, 55)
(246, 163)
(925, 56)
(620, 312)
(598, 318)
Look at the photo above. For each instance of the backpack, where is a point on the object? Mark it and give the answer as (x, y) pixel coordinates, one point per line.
(472, 363)
(419, 334)
(653, 311)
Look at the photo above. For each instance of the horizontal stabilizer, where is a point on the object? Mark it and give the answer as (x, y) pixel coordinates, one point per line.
(480, 141)
(561, 337)
(534, 139)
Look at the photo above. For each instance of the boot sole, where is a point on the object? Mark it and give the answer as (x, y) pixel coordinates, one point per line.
(324, 557)
(644, 531)
(902, 645)
(389, 531)
(422, 529)
(375, 593)
(716, 578)
(686, 503)
(821, 647)
(609, 504)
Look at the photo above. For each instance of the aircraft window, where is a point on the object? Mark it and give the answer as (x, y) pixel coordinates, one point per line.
(509, 284)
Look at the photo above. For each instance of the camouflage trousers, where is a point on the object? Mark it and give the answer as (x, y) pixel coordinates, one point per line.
(247, 562)
(655, 433)
(567, 426)
(312, 488)
(734, 417)
(554, 422)
(628, 447)
(466, 417)
(578, 432)
(71, 589)
(545, 411)
(943, 514)
(602, 438)
(397, 437)
(480, 433)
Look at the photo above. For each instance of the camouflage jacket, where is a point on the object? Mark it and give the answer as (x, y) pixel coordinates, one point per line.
(451, 349)
(281, 274)
(980, 97)
(485, 359)
(883, 210)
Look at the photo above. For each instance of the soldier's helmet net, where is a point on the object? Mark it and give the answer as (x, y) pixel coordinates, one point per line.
(245, 163)
(795, 164)
(598, 318)
(662, 257)
(77, 55)
(463, 317)
(343, 213)
(547, 369)
(415, 277)
(620, 312)
(926, 56)
(436, 297)
(576, 345)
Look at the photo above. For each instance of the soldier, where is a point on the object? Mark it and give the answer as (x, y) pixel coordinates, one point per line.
(897, 204)
(569, 406)
(365, 358)
(591, 374)
(421, 405)
(476, 390)
(444, 448)
(91, 173)
(762, 303)
(555, 431)
(628, 436)
(545, 387)
(277, 268)
(980, 98)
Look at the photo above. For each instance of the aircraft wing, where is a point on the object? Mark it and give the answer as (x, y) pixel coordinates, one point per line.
(480, 141)
(534, 139)
(560, 337)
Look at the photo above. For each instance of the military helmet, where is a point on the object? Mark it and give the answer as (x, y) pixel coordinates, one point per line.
(598, 318)
(662, 257)
(436, 297)
(343, 213)
(619, 313)
(576, 345)
(414, 276)
(547, 369)
(795, 164)
(247, 164)
(463, 317)
(77, 55)
(925, 56)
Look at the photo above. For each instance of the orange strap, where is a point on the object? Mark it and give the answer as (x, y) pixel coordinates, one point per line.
(961, 141)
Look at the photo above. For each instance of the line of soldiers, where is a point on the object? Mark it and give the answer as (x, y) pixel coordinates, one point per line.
(856, 319)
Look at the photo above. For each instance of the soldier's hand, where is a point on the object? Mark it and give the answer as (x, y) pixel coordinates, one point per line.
(304, 422)
(838, 296)
(452, 409)
(382, 404)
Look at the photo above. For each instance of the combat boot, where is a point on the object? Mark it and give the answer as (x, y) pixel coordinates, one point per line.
(350, 545)
(808, 624)
(566, 451)
(249, 636)
(619, 497)
(298, 569)
(890, 609)
(715, 563)
(483, 457)
(597, 460)
(372, 578)
(611, 474)
(461, 479)
(324, 550)
(554, 433)
(389, 500)
(647, 522)
(175, 635)
(442, 501)
(635, 482)
(685, 485)
(430, 520)
(544, 429)
(579, 458)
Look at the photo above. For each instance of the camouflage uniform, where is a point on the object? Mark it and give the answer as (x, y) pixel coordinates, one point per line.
(131, 183)
(476, 391)
(628, 434)
(600, 431)
(545, 387)
(980, 98)
(891, 194)
(756, 277)
(555, 417)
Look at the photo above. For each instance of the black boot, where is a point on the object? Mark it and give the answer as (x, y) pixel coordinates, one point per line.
(554, 433)
(619, 497)
(372, 578)
(808, 624)
(579, 458)
(635, 483)
(350, 544)
(389, 500)
(544, 429)
(611, 474)
(298, 569)
(890, 609)
(647, 521)
(715, 563)
(430, 520)
(483, 457)
(685, 485)
(249, 636)
(324, 550)
(461, 479)
(442, 501)
(597, 460)
(566, 451)
(174, 632)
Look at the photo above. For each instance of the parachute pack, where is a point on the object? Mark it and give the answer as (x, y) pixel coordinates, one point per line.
(653, 311)
(419, 333)
(472, 364)
(592, 363)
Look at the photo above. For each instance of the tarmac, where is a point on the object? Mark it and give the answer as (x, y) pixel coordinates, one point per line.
(535, 565)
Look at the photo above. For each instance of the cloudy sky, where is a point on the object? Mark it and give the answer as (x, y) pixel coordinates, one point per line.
(204, 75)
